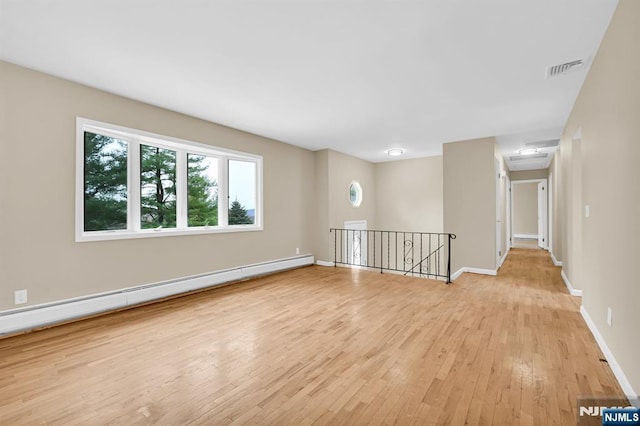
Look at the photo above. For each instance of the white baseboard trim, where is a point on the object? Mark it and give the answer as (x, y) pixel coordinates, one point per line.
(473, 271)
(36, 316)
(572, 291)
(503, 258)
(554, 260)
(526, 236)
(324, 263)
(615, 367)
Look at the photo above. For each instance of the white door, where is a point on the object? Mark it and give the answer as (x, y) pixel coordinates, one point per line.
(355, 243)
(542, 214)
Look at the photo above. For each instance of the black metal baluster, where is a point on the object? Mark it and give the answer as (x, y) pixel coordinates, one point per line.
(449, 260)
(388, 250)
(381, 252)
(360, 248)
(374, 250)
(430, 260)
(413, 272)
(421, 258)
(438, 256)
(341, 247)
(335, 247)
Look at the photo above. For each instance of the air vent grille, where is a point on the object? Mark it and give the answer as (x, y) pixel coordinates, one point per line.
(527, 157)
(565, 68)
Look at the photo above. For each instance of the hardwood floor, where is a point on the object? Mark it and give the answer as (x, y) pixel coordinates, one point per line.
(320, 346)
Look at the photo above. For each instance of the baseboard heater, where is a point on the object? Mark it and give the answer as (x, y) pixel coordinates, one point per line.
(33, 317)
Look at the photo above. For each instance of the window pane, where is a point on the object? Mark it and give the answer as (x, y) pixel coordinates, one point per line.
(202, 184)
(157, 187)
(242, 192)
(105, 183)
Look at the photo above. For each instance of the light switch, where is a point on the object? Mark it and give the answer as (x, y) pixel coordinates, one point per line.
(586, 211)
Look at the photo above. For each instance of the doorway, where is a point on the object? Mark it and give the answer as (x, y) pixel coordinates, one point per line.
(529, 213)
(355, 243)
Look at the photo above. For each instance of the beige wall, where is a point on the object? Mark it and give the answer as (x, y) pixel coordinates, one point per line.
(322, 242)
(525, 208)
(409, 195)
(574, 267)
(343, 169)
(606, 117)
(529, 174)
(556, 207)
(37, 244)
(470, 203)
(334, 173)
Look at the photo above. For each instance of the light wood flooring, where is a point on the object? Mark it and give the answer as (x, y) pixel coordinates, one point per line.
(320, 346)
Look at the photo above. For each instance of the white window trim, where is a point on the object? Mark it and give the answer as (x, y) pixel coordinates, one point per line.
(358, 202)
(134, 138)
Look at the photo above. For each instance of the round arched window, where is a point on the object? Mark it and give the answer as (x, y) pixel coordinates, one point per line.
(355, 194)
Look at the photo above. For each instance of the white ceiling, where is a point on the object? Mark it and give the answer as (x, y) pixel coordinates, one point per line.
(356, 76)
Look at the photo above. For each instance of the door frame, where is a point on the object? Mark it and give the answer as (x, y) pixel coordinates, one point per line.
(545, 217)
(508, 201)
(550, 212)
(542, 211)
(355, 225)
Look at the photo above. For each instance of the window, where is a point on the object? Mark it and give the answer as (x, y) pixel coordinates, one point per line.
(242, 192)
(157, 187)
(105, 183)
(133, 184)
(202, 187)
(355, 194)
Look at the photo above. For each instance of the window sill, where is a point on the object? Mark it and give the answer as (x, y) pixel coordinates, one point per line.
(152, 233)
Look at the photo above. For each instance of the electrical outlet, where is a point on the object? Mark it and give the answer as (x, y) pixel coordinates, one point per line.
(20, 297)
(609, 316)
(297, 250)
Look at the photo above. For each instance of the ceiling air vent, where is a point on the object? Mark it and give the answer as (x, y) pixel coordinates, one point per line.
(565, 68)
(527, 157)
(543, 144)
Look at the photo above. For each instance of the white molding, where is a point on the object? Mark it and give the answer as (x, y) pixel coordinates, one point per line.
(457, 273)
(481, 271)
(615, 367)
(325, 263)
(36, 316)
(572, 291)
(362, 222)
(504, 257)
(528, 181)
(550, 183)
(526, 236)
(555, 261)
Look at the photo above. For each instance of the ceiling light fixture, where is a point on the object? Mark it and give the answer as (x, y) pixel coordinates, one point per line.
(529, 151)
(395, 152)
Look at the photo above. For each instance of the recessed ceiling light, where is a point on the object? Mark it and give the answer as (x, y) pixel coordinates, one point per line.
(529, 151)
(395, 152)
